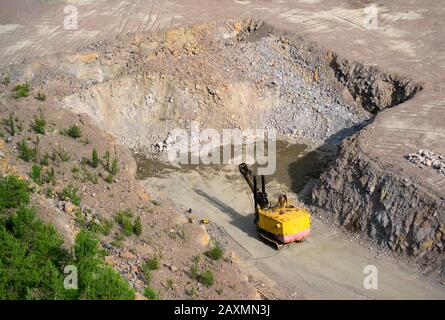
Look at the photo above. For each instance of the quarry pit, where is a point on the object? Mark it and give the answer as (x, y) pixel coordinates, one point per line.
(246, 74)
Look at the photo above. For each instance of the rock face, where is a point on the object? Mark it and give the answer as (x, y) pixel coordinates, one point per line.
(395, 212)
(370, 87)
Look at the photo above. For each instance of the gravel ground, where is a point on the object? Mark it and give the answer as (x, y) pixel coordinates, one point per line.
(427, 158)
(308, 109)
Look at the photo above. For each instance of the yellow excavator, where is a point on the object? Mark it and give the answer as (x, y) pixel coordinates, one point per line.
(279, 223)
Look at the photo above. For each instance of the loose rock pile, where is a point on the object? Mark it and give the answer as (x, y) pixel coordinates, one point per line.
(427, 158)
(127, 264)
(275, 82)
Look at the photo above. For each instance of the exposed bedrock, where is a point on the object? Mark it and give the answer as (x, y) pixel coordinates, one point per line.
(367, 198)
(371, 88)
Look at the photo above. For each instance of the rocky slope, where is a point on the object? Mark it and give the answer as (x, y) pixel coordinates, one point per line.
(371, 88)
(360, 194)
(222, 75)
(73, 194)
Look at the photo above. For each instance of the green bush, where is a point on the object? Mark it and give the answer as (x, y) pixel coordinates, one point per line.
(61, 153)
(194, 271)
(102, 282)
(49, 176)
(32, 257)
(40, 96)
(192, 292)
(104, 226)
(36, 174)
(21, 90)
(26, 153)
(45, 160)
(13, 192)
(88, 176)
(10, 123)
(70, 192)
(216, 252)
(153, 263)
(49, 193)
(137, 228)
(75, 169)
(150, 265)
(30, 253)
(150, 293)
(94, 159)
(97, 280)
(86, 245)
(196, 259)
(74, 132)
(38, 236)
(207, 278)
(107, 160)
(39, 124)
(147, 273)
(124, 220)
(109, 178)
(114, 167)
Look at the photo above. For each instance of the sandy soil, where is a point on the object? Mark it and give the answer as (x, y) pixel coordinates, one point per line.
(328, 265)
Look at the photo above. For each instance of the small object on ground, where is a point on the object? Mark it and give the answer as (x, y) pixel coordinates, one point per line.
(205, 221)
(427, 158)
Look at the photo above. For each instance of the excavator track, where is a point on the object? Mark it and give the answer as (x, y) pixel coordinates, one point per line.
(269, 240)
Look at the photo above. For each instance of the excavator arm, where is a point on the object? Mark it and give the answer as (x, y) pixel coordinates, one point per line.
(260, 197)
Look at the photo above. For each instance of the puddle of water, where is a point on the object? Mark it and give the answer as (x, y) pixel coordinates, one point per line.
(295, 166)
(150, 168)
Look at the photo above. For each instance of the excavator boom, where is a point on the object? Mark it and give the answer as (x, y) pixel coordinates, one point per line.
(260, 197)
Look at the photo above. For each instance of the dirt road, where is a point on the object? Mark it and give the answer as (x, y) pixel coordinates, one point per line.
(328, 265)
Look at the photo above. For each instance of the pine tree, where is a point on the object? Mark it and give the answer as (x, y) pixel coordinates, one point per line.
(94, 159)
(114, 167)
(137, 226)
(107, 160)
